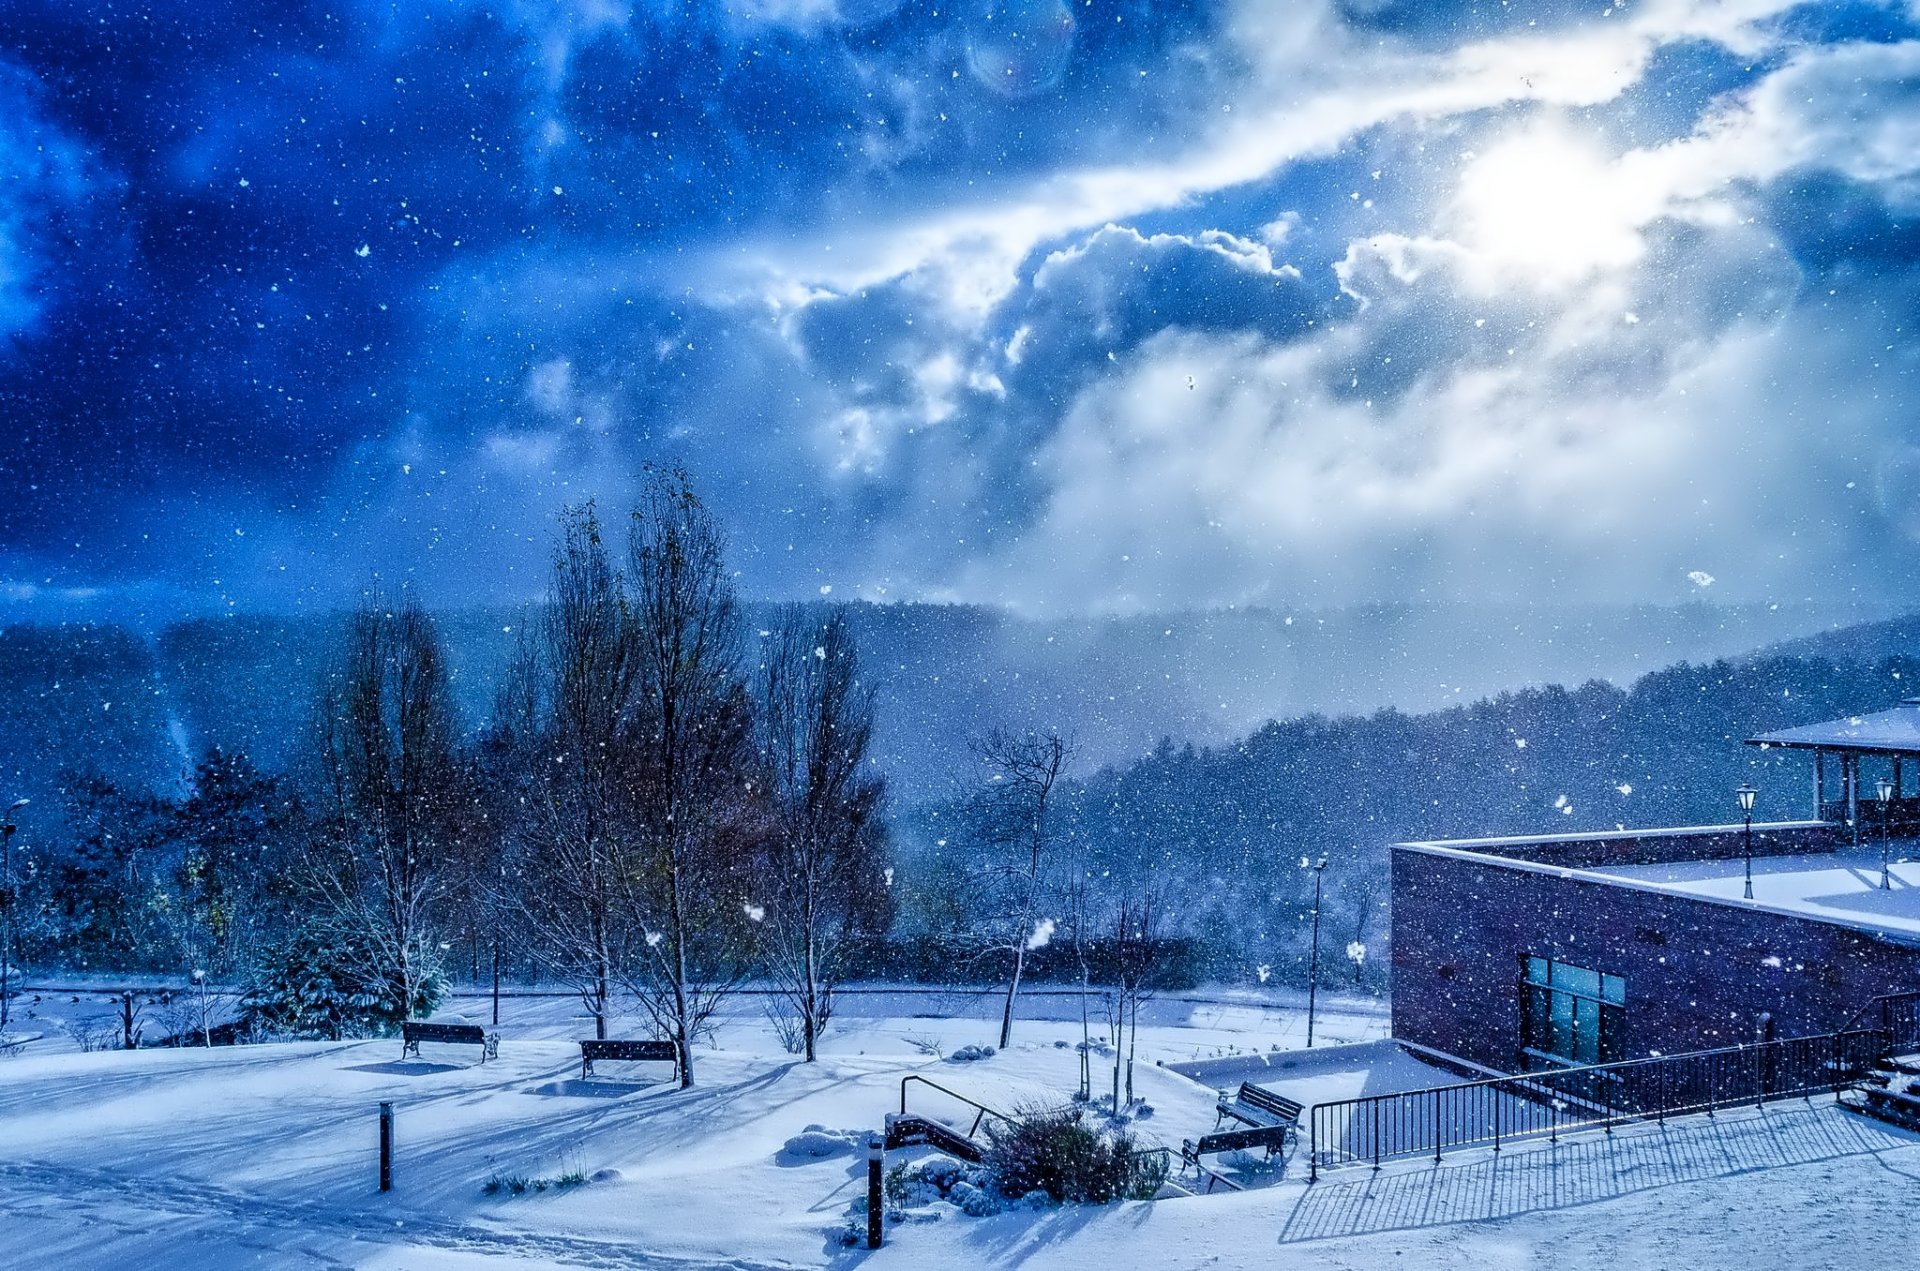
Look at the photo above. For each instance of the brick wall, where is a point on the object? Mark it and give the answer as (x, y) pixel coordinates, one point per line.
(1698, 973)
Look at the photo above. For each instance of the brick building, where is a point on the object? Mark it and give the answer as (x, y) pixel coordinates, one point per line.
(1542, 951)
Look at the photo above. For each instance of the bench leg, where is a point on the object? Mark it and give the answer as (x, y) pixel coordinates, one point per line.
(586, 1069)
(490, 1049)
(409, 1048)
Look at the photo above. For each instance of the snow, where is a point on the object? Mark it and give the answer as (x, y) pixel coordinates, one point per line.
(264, 1155)
(1842, 887)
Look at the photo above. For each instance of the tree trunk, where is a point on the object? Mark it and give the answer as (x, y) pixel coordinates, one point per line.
(1013, 991)
(678, 919)
(810, 1003)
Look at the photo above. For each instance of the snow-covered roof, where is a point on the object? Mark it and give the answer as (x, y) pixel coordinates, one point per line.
(1840, 887)
(1895, 730)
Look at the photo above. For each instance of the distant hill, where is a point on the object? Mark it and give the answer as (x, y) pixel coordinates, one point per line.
(1860, 642)
(137, 707)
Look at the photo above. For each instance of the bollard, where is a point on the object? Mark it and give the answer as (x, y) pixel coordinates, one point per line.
(386, 1147)
(876, 1156)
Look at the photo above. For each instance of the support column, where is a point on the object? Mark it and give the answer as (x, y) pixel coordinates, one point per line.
(1819, 785)
(1850, 764)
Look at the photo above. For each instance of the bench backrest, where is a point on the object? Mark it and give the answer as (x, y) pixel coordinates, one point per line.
(664, 1052)
(1267, 1101)
(423, 1032)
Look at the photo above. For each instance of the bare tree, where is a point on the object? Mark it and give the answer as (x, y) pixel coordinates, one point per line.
(1138, 919)
(1011, 814)
(691, 764)
(825, 854)
(567, 706)
(393, 789)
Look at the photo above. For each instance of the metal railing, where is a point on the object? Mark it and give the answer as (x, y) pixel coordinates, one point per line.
(1545, 1104)
(1895, 1014)
(982, 1110)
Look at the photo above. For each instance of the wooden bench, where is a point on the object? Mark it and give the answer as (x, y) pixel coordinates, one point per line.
(413, 1032)
(1272, 1122)
(657, 1052)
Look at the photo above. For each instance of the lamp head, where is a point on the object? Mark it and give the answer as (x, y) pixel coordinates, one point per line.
(1745, 794)
(1884, 788)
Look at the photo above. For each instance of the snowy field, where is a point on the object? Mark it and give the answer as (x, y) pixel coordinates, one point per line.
(265, 1156)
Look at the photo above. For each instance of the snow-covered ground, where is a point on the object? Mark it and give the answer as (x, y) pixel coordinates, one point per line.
(265, 1156)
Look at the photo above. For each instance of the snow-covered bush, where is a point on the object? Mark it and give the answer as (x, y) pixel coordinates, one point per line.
(970, 1054)
(1065, 1154)
(817, 1142)
(915, 1185)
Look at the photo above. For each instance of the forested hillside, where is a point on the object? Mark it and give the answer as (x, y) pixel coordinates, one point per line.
(1224, 829)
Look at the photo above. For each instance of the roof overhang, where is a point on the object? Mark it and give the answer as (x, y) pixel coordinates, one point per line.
(1895, 731)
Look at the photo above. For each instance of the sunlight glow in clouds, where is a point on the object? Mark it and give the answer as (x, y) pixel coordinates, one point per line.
(1549, 204)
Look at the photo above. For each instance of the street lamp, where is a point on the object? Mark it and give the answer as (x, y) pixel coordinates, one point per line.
(1885, 790)
(1745, 794)
(7, 827)
(1319, 868)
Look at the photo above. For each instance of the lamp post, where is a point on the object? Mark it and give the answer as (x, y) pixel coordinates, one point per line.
(1745, 794)
(7, 828)
(1885, 790)
(1319, 868)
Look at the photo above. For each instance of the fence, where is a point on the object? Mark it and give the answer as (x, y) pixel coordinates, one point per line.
(1546, 1104)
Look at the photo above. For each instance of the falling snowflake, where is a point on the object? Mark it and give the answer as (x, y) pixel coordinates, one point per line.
(1700, 578)
(1519, 743)
(754, 911)
(1042, 933)
(1625, 787)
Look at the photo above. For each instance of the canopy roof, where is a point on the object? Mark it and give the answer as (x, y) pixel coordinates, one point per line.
(1892, 731)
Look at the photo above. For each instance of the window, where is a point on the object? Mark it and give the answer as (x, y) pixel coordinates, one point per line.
(1570, 1015)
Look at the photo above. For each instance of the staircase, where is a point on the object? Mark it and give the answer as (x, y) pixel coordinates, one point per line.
(1890, 1089)
(1889, 1092)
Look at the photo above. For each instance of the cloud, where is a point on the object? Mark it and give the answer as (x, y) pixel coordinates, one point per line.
(1201, 303)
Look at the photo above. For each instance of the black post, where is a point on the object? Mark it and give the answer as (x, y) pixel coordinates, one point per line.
(1313, 964)
(876, 1157)
(496, 983)
(1886, 883)
(386, 1147)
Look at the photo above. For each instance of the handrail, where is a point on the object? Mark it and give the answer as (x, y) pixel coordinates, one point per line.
(1880, 1004)
(1544, 1102)
(1201, 1167)
(984, 1112)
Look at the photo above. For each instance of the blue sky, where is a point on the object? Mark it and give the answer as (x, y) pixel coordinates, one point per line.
(1090, 306)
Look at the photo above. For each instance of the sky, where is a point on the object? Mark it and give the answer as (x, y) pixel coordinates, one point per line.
(1066, 305)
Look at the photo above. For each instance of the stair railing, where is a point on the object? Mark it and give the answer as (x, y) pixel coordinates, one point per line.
(983, 1110)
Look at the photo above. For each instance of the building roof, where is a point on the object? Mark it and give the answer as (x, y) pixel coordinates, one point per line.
(1892, 731)
(1838, 887)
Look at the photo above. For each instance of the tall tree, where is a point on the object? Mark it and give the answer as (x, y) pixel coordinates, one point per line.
(566, 707)
(232, 831)
(393, 786)
(1012, 814)
(691, 764)
(825, 857)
